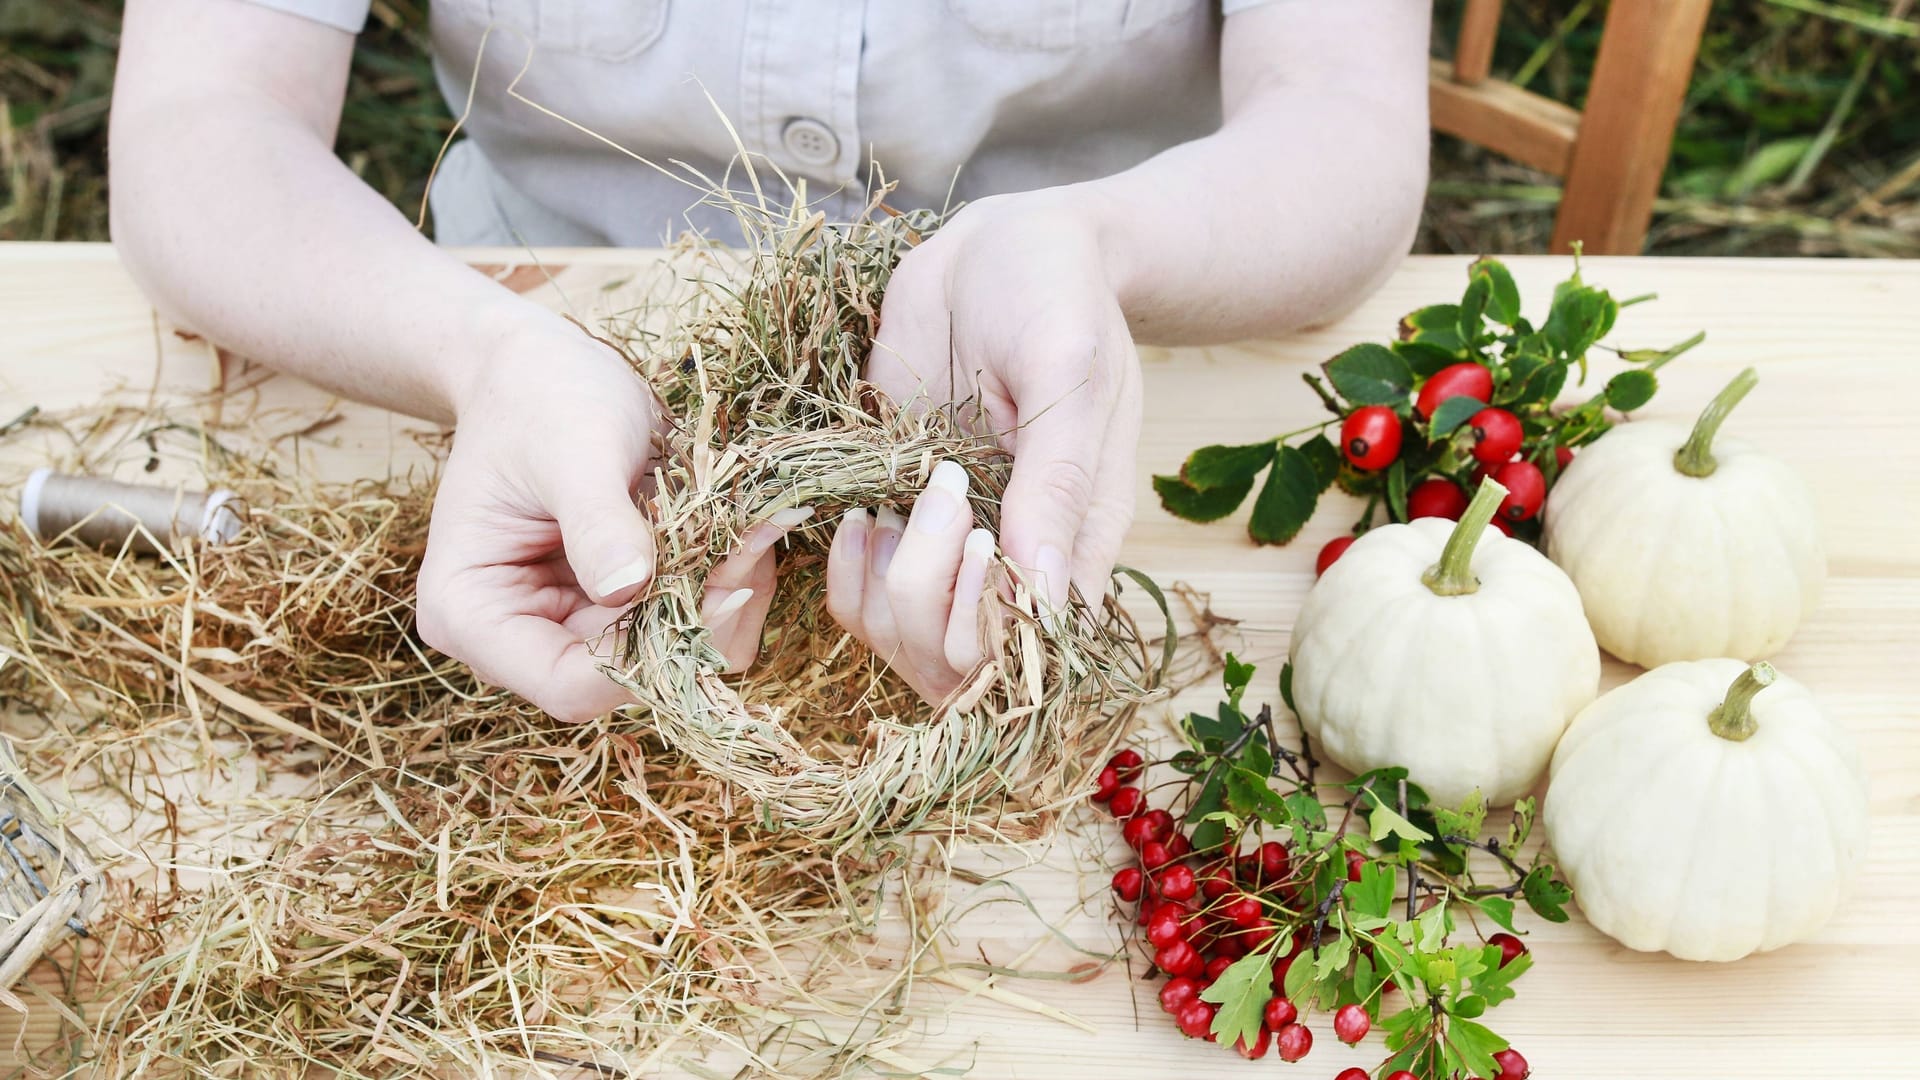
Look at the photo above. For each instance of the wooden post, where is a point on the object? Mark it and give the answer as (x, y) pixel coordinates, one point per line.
(1473, 53)
(1639, 83)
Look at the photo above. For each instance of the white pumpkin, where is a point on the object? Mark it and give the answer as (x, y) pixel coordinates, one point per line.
(1684, 546)
(1707, 810)
(1446, 648)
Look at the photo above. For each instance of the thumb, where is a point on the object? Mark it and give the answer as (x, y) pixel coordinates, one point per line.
(608, 540)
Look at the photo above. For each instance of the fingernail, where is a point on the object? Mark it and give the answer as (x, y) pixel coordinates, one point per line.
(791, 516)
(889, 525)
(768, 532)
(979, 546)
(734, 602)
(936, 507)
(854, 523)
(1051, 566)
(637, 569)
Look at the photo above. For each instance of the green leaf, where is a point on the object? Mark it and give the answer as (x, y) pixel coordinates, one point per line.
(1373, 893)
(1248, 795)
(1765, 165)
(1397, 490)
(1503, 297)
(1183, 500)
(1432, 317)
(1325, 459)
(1286, 500)
(1473, 309)
(1475, 1045)
(1286, 686)
(1242, 992)
(1426, 357)
(1465, 820)
(1631, 389)
(1496, 983)
(1545, 894)
(1383, 822)
(1578, 319)
(1499, 909)
(1300, 979)
(1470, 1006)
(1371, 375)
(1236, 677)
(1225, 466)
(1452, 413)
(1305, 809)
(1331, 956)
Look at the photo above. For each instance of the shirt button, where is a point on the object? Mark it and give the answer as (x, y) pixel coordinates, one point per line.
(810, 141)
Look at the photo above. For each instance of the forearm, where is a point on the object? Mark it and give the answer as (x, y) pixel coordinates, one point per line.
(242, 225)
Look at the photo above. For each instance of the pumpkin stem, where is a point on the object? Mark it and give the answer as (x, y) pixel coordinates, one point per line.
(1733, 719)
(1453, 574)
(1695, 458)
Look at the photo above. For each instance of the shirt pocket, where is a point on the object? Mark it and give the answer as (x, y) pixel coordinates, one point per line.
(1054, 25)
(600, 29)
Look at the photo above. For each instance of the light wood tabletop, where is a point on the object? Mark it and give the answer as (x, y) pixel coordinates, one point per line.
(1837, 345)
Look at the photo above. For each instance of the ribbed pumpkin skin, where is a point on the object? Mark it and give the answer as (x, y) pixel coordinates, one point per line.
(1674, 567)
(1465, 691)
(1676, 840)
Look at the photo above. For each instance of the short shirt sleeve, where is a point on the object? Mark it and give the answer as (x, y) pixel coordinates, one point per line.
(348, 15)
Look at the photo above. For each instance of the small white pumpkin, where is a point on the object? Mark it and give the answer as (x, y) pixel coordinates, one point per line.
(1707, 809)
(1684, 547)
(1445, 648)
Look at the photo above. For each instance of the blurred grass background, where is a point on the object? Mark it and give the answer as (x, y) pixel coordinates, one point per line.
(1800, 136)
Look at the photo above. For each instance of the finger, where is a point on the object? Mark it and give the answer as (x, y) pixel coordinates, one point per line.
(876, 614)
(739, 591)
(756, 550)
(847, 571)
(962, 642)
(911, 359)
(548, 663)
(609, 542)
(1063, 424)
(1103, 531)
(920, 580)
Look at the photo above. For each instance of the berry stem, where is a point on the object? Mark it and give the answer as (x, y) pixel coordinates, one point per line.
(1453, 574)
(1695, 457)
(1733, 719)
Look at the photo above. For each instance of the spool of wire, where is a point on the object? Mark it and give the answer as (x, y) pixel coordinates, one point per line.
(108, 514)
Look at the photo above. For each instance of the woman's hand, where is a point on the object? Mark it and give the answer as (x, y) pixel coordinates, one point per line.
(1011, 307)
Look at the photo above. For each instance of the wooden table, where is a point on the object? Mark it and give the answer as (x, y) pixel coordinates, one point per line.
(1835, 343)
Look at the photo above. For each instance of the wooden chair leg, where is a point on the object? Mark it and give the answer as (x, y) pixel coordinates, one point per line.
(1626, 132)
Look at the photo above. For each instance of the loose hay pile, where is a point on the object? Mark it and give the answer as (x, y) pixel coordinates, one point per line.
(331, 849)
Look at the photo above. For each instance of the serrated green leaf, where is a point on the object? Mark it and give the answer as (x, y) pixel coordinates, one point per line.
(1371, 375)
(1397, 490)
(1465, 820)
(1373, 893)
(1183, 500)
(1383, 821)
(1286, 500)
(1473, 308)
(1286, 686)
(1305, 809)
(1225, 466)
(1470, 1006)
(1496, 984)
(1236, 676)
(1499, 909)
(1451, 414)
(1475, 1046)
(1431, 317)
(1427, 357)
(1631, 389)
(1248, 795)
(1300, 979)
(1332, 955)
(1242, 992)
(1578, 319)
(1545, 894)
(1503, 296)
(1325, 459)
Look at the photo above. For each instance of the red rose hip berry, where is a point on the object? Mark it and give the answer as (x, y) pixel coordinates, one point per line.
(1195, 1019)
(1370, 437)
(1526, 489)
(1511, 948)
(1293, 1041)
(1176, 882)
(1107, 783)
(1178, 959)
(1355, 861)
(1163, 929)
(1455, 380)
(1159, 824)
(1125, 802)
(1350, 1024)
(1279, 1013)
(1218, 966)
(1259, 1047)
(1273, 860)
(1563, 456)
(1496, 436)
(1127, 882)
(1436, 497)
(1136, 832)
(1512, 1065)
(1401, 1074)
(1330, 554)
(1127, 764)
(1179, 992)
(1154, 855)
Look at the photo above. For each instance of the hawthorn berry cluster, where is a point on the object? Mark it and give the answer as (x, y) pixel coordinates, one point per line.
(1468, 390)
(1262, 906)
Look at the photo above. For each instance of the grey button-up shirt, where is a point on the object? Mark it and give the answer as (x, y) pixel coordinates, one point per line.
(951, 99)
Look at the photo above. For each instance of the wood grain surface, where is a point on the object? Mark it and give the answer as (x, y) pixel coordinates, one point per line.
(1835, 343)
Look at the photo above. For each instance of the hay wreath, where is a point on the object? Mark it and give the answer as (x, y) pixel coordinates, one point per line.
(764, 372)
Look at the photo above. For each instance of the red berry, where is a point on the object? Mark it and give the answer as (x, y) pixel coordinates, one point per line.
(1280, 967)
(1436, 497)
(1176, 882)
(1357, 1073)
(1217, 966)
(1243, 911)
(1397, 1074)
(1217, 884)
(1160, 823)
(1163, 929)
(1526, 489)
(1563, 456)
(1126, 883)
(1512, 1065)
(1125, 802)
(1350, 1024)
(1279, 1013)
(1496, 436)
(1178, 959)
(1258, 934)
(1466, 379)
(1106, 785)
(1273, 860)
(1259, 1047)
(1154, 855)
(1511, 948)
(1195, 1019)
(1179, 992)
(1355, 861)
(1293, 1040)
(1330, 554)
(1370, 437)
(1136, 832)
(1180, 846)
(1500, 523)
